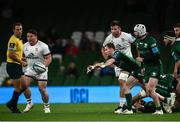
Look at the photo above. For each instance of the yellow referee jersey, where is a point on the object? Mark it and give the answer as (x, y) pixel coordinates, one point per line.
(15, 44)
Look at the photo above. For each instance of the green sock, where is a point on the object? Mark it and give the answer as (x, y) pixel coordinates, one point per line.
(129, 101)
(165, 100)
(158, 107)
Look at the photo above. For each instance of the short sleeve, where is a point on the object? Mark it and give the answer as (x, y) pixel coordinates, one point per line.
(131, 39)
(108, 40)
(12, 46)
(116, 56)
(46, 50)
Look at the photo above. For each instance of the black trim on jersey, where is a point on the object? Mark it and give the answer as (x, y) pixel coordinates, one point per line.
(30, 77)
(41, 80)
(47, 54)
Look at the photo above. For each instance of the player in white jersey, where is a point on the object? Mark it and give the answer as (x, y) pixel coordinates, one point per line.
(37, 51)
(122, 41)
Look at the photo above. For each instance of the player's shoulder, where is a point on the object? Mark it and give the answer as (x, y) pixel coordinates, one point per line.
(110, 36)
(108, 39)
(125, 33)
(151, 39)
(26, 43)
(40, 43)
(13, 39)
(128, 36)
(117, 52)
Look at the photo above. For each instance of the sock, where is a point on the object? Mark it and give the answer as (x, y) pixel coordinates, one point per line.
(15, 98)
(158, 108)
(165, 100)
(129, 101)
(122, 101)
(46, 105)
(29, 101)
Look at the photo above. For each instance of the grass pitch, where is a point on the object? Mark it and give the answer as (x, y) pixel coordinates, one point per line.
(81, 112)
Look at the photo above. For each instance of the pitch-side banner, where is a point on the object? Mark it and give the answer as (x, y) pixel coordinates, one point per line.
(71, 94)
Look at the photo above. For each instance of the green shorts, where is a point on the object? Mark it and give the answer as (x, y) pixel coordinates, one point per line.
(153, 71)
(164, 86)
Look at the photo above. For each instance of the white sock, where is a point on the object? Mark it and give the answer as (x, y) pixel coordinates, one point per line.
(122, 101)
(46, 105)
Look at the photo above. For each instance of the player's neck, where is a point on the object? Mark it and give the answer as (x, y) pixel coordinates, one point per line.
(17, 36)
(32, 44)
(119, 34)
(143, 37)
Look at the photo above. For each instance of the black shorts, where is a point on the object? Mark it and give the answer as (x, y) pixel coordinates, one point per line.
(14, 70)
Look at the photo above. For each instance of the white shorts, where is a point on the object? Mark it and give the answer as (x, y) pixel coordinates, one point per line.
(39, 77)
(123, 76)
(117, 71)
(142, 93)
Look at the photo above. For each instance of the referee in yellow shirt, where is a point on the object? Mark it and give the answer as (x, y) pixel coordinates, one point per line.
(14, 65)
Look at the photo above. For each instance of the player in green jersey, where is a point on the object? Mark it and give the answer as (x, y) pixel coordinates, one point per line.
(150, 58)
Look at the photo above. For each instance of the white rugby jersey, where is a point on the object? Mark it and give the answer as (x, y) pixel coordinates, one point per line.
(122, 43)
(36, 52)
(178, 39)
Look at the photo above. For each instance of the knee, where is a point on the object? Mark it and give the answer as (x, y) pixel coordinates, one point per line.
(42, 89)
(121, 83)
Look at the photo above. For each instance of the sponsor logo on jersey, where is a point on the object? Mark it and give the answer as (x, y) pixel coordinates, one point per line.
(119, 47)
(154, 74)
(26, 49)
(145, 45)
(31, 56)
(36, 49)
(153, 45)
(161, 86)
(11, 45)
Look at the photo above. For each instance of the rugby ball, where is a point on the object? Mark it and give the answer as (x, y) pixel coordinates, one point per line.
(39, 67)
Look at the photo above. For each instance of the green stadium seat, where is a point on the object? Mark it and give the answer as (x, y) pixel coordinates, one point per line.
(53, 68)
(57, 81)
(82, 80)
(67, 59)
(80, 61)
(115, 81)
(94, 81)
(70, 80)
(107, 80)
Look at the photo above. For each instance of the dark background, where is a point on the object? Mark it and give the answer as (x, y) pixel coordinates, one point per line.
(67, 16)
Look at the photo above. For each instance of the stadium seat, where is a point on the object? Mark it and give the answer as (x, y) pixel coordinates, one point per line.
(54, 66)
(80, 61)
(115, 81)
(99, 37)
(82, 80)
(76, 36)
(106, 80)
(57, 81)
(89, 35)
(69, 80)
(67, 59)
(94, 81)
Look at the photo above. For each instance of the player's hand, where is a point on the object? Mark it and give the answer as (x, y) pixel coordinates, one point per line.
(142, 70)
(90, 68)
(24, 63)
(98, 65)
(139, 59)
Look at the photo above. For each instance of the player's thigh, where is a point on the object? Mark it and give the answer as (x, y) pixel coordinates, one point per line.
(42, 85)
(27, 80)
(42, 80)
(131, 81)
(152, 83)
(178, 88)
